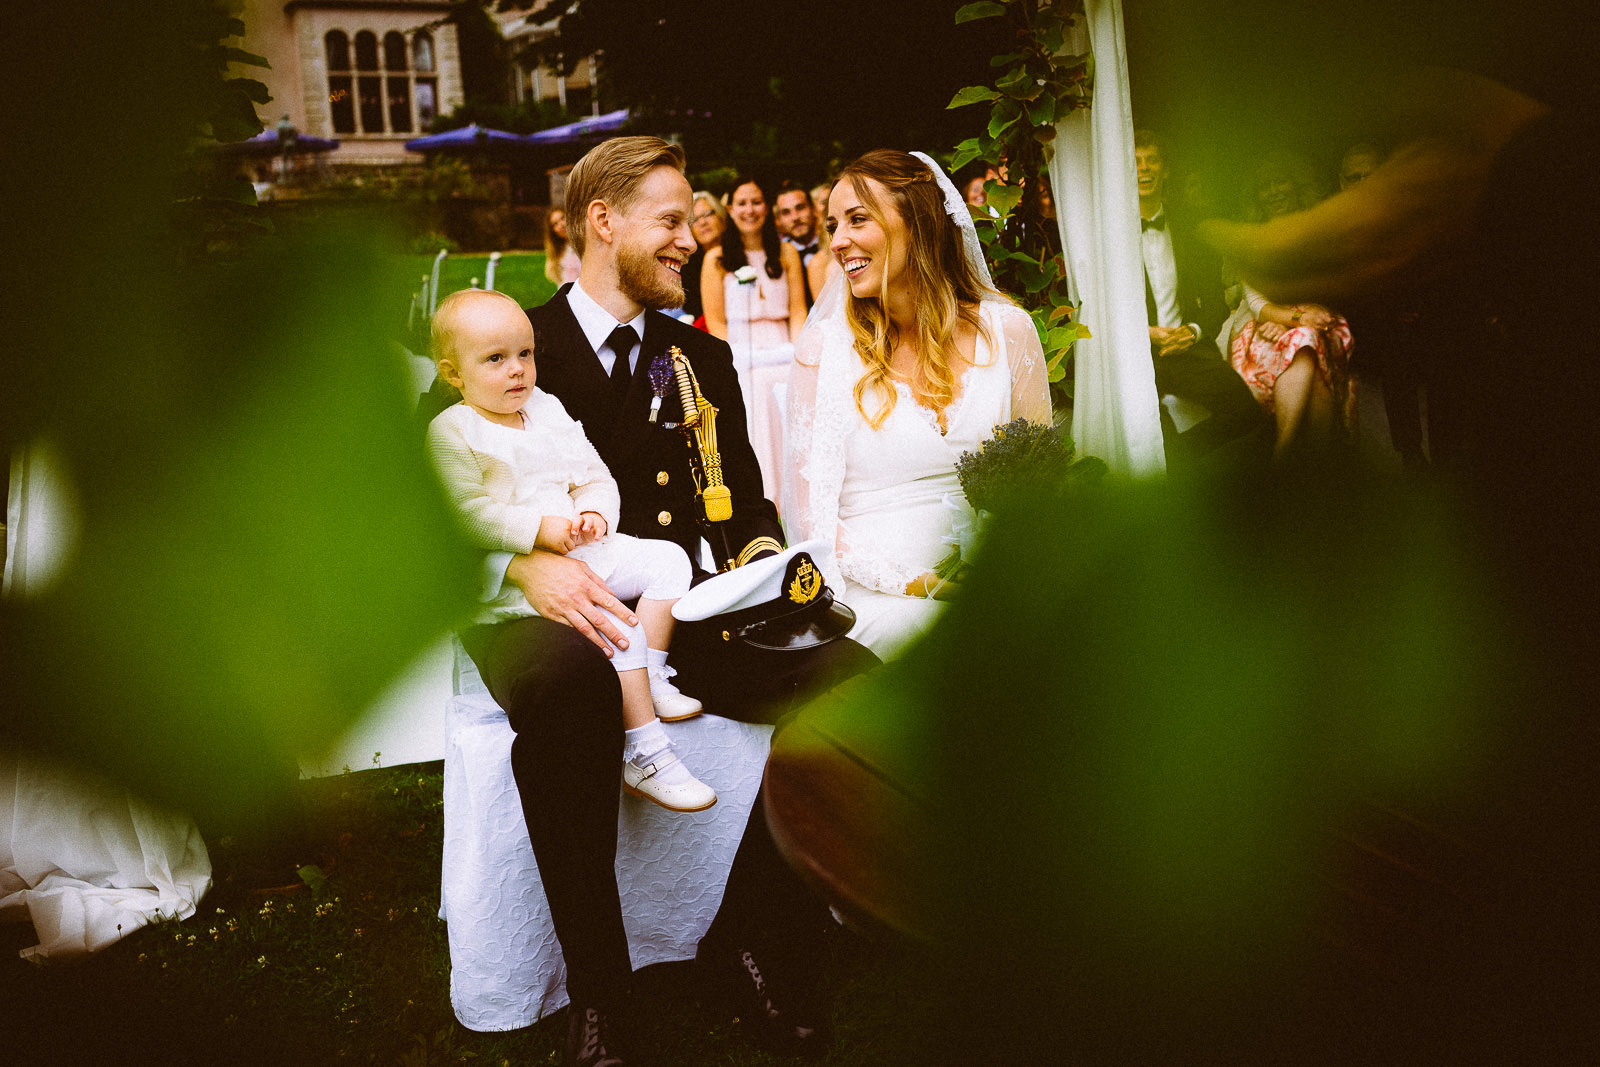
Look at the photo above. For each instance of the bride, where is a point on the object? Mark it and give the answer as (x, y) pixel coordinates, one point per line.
(910, 358)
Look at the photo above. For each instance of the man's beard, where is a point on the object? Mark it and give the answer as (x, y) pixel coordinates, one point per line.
(639, 282)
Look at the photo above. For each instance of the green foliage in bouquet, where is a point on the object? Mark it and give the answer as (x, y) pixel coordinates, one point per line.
(1022, 459)
(1036, 87)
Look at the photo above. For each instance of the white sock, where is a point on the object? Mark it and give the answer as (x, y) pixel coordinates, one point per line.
(644, 740)
(647, 743)
(655, 657)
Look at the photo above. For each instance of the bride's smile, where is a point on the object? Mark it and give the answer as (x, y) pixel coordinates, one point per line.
(871, 253)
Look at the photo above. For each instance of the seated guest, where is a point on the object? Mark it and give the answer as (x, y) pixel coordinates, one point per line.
(796, 220)
(560, 260)
(753, 287)
(523, 476)
(911, 358)
(817, 270)
(1294, 357)
(797, 225)
(629, 208)
(1184, 298)
(710, 219)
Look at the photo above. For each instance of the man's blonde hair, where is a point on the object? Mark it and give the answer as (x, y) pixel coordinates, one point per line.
(442, 333)
(611, 171)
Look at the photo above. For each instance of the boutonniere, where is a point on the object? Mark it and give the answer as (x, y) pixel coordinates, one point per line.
(745, 275)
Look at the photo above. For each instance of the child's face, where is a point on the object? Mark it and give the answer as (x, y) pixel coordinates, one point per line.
(493, 360)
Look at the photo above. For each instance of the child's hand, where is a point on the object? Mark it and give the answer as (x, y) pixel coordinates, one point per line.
(591, 527)
(556, 535)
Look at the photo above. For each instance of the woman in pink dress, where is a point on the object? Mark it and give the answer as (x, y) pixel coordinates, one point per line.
(753, 291)
(560, 259)
(1294, 357)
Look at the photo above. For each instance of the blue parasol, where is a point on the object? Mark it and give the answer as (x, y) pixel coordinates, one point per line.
(610, 122)
(465, 138)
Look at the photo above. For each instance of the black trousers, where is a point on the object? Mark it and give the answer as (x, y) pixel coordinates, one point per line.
(563, 700)
(1209, 379)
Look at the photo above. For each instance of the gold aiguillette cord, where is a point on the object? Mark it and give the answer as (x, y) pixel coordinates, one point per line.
(699, 415)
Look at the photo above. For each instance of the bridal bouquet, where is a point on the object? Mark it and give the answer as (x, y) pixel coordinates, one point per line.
(1022, 459)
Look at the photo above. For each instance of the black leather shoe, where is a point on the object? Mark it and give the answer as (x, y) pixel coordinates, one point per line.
(591, 1040)
(780, 1021)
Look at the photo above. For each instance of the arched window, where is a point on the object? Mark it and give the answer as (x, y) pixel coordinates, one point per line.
(338, 46)
(397, 86)
(427, 91)
(394, 51)
(341, 89)
(366, 50)
(369, 87)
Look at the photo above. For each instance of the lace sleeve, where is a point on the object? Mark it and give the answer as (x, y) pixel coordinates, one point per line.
(877, 572)
(1030, 379)
(817, 421)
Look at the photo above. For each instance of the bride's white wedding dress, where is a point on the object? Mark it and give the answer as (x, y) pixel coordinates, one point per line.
(883, 498)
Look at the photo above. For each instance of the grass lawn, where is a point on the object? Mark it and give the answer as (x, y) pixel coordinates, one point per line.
(357, 970)
(519, 274)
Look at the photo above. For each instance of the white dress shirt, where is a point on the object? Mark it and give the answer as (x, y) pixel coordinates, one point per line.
(597, 323)
(1161, 271)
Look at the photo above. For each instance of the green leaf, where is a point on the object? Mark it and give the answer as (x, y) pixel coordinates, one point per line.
(239, 55)
(984, 9)
(313, 877)
(1044, 134)
(1003, 198)
(972, 94)
(965, 153)
(1005, 115)
(233, 27)
(1013, 79)
(1007, 59)
(1061, 338)
(252, 90)
(1053, 37)
(1057, 313)
(1042, 112)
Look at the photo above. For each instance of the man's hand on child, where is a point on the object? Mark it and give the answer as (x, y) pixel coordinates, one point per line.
(557, 534)
(591, 527)
(566, 590)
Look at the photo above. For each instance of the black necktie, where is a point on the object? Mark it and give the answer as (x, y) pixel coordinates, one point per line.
(621, 342)
(1157, 223)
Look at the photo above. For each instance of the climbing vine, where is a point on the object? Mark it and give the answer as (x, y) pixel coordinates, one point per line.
(1037, 85)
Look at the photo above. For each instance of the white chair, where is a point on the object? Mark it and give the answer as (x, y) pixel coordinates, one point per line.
(506, 969)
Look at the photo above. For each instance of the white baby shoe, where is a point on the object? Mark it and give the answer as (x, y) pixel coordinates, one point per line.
(664, 779)
(671, 705)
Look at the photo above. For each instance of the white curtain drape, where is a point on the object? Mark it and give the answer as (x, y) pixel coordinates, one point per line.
(1115, 415)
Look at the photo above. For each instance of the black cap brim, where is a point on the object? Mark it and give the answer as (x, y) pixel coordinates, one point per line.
(824, 621)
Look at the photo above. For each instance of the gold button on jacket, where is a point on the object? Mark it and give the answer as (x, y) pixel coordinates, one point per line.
(661, 477)
(665, 518)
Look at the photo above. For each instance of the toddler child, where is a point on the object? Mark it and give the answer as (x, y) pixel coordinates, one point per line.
(524, 476)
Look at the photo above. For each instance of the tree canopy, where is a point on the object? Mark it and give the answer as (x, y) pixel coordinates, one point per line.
(797, 84)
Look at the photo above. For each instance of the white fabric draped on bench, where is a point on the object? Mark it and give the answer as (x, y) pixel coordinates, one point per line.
(506, 969)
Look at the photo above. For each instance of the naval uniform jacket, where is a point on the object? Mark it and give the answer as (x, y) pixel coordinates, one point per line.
(650, 462)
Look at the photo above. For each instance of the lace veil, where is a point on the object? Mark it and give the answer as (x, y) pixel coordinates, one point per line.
(821, 397)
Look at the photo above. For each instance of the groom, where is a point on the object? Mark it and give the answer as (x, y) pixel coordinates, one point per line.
(628, 211)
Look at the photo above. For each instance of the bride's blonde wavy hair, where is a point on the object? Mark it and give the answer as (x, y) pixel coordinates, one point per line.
(945, 290)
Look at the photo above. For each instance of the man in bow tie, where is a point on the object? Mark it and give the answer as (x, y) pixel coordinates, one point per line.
(1187, 309)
